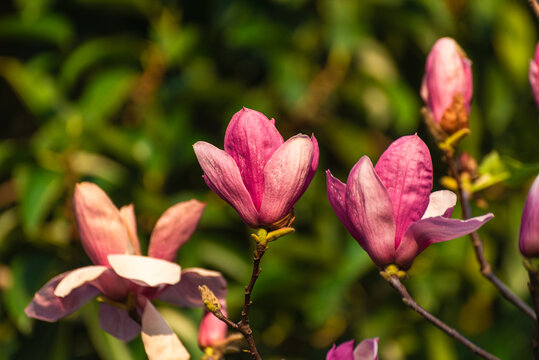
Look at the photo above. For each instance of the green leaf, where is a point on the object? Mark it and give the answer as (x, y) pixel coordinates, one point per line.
(38, 189)
(51, 28)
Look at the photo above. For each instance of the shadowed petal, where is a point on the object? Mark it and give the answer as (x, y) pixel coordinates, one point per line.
(117, 322)
(159, 340)
(337, 199)
(370, 211)
(405, 169)
(145, 271)
(441, 203)
(285, 176)
(102, 229)
(186, 293)
(251, 139)
(341, 352)
(223, 176)
(435, 229)
(367, 350)
(77, 278)
(48, 307)
(127, 213)
(174, 228)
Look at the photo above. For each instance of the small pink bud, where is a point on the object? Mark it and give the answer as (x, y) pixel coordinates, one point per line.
(212, 331)
(448, 85)
(534, 75)
(528, 241)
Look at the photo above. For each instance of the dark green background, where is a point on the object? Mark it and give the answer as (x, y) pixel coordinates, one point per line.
(117, 91)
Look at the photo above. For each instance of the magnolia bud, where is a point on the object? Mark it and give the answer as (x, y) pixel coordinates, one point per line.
(528, 241)
(447, 86)
(534, 75)
(212, 330)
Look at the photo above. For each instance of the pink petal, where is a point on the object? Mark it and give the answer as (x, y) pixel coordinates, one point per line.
(435, 229)
(48, 307)
(285, 176)
(128, 215)
(118, 323)
(251, 139)
(405, 169)
(77, 278)
(370, 212)
(174, 228)
(144, 270)
(341, 352)
(528, 241)
(102, 229)
(441, 203)
(159, 340)
(314, 164)
(186, 293)
(223, 177)
(337, 199)
(212, 330)
(367, 350)
(533, 75)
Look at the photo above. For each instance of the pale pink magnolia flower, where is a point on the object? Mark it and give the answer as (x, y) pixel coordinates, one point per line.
(212, 331)
(127, 280)
(258, 174)
(528, 241)
(365, 350)
(390, 210)
(533, 75)
(447, 85)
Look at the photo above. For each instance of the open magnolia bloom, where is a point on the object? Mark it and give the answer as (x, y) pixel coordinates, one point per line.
(365, 350)
(126, 280)
(259, 174)
(390, 210)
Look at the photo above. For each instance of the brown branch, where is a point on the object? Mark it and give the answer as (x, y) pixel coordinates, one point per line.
(410, 302)
(486, 269)
(533, 286)
(535, 7)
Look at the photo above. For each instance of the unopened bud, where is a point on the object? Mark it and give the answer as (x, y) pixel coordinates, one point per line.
(209, 299)
(533, 75)
(528, 241)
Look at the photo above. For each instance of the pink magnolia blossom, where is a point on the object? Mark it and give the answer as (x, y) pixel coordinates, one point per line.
(533, 75)
(259, 174)
(212, 331)
(528, 241)
(365, 350)
(128, 281)
(390, 210)
(447, 86)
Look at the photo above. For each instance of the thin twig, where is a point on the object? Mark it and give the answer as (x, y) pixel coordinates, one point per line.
(410, 302)
(486, 269)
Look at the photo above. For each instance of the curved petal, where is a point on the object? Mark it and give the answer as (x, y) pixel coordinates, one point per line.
(370, 212)
(174, 228)
(186, 293)
(441, 203)
(127, 213)
(102, 229)
(251, 139)
(285, 176)
(405, 169)
(77, 278)
(528, 240)
(367, 350)
(223, 177)
(159, 340)
(144, 270)
(337, 199)
(118, 323)
(314, 164)
(48, 307)
(341, 352)
(435, 229)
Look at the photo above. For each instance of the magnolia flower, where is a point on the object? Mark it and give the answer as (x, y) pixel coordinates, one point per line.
(528, 241)
(212, 331)
(447, 85)
(258, 173)
(389, 209)
(533, 75)
(365, 350)
(126, 280)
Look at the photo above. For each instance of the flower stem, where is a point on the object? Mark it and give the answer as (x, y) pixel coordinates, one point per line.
(395, 282)
(486, 269)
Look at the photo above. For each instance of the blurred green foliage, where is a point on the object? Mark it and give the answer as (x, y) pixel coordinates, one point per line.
(117, 91)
